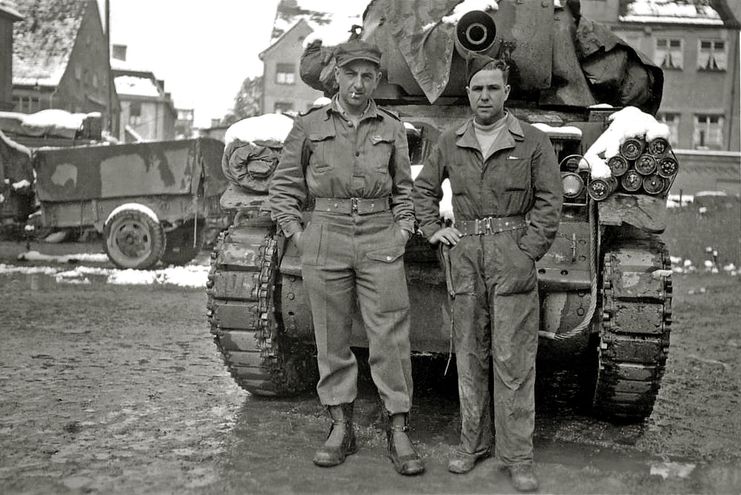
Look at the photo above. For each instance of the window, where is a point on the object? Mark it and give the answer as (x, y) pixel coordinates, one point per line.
(711, 55)
(285, 74)
(282, 107)
(26, 104)
(671, 120)
(135, 113)
(95, 80)
(708, 132)
(668, 53)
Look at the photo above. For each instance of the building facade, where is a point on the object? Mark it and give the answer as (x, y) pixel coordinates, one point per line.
(8, 15)
(60, 59)
(283, 89)
(147, 111)
(184, 123)
(697, 46)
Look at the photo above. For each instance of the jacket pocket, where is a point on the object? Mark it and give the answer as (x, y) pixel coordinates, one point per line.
(320, 144)
(515, 175)
(382, 146)
(387, 270)
(516, 270)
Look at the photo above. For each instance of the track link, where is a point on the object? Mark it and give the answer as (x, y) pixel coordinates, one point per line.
(242, 315)
(636, 325)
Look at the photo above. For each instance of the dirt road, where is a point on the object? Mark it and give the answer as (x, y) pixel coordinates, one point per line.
(119, 389)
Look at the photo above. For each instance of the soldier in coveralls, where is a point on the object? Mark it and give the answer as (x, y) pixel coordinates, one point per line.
(351, 156)
(507, 203)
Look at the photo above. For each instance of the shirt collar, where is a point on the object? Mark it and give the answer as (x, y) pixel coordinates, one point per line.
(467, 135)
(371, 111)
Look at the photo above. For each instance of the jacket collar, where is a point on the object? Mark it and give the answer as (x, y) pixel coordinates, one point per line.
(371, 111)
(467, 136)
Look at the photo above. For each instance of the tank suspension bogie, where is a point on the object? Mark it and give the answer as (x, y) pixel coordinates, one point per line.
(636, 324)
(242, 313)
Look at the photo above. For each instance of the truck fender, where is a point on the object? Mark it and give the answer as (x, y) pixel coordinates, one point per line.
(133, 206)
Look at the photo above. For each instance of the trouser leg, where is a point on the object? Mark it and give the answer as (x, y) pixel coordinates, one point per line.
(472, 341)
(331, 297)
(472, 353)
(384, 306)
(514, 348)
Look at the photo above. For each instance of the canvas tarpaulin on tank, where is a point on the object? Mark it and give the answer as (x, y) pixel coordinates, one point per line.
(250, 165)
(425, 42)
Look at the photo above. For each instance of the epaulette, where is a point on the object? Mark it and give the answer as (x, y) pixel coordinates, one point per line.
(312, 109)
(390, 113)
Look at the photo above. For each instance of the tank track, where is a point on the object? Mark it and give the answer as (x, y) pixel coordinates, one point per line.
(636, 324)
(242, 315)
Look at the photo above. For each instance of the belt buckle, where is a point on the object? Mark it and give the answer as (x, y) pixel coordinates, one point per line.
(488, 229)
(353, 205)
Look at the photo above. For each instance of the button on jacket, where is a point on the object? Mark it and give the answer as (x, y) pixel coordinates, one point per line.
(327, 156)
(520, 175)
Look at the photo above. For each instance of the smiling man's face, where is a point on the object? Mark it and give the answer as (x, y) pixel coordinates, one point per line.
(487, 91)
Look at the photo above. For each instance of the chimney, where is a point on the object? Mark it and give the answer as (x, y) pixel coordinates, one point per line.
(118, 52)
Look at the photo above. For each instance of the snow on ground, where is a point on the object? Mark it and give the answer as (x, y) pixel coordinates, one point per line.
(69, 258)
(267, 127)
(193, 276)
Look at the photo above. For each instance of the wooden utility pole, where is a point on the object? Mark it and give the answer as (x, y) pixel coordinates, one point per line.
(110, 76)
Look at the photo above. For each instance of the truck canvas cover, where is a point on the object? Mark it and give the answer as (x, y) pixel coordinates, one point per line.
(139, 169)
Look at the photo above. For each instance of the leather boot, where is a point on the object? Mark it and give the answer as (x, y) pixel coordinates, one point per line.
(408, 464)
(330, 454)
(523, 477)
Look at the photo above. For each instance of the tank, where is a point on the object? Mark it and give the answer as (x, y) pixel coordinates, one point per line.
(605, 285)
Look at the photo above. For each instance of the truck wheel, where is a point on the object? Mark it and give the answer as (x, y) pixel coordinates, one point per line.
(179, 248)
(133, 240)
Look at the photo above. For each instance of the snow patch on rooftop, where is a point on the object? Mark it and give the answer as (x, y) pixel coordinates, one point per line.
(267, 127)
(51, 119)
(136, 86)
(670, 12)
(671, 8)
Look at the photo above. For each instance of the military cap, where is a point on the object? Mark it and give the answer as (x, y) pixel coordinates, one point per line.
(357, 50)
(477, 61)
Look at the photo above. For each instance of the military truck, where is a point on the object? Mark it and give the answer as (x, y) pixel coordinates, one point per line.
(605, 286)
(152, 201)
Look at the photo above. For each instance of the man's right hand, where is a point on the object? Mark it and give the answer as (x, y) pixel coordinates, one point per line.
(448, 236)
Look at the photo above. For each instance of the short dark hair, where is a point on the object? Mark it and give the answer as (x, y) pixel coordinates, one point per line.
(493, 64)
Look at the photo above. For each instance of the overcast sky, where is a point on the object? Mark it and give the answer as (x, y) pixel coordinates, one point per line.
(202, 49)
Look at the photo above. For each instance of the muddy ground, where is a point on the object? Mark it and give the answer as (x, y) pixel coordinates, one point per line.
(119, 389)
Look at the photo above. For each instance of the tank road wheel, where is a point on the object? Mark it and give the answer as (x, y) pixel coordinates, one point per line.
(133, 239)
(634, 339)
(241, 308)
(179, 248)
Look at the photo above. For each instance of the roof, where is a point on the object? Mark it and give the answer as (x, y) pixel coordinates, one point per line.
(683, 12)
(137, 86)
(8, 8)
(44, 39)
